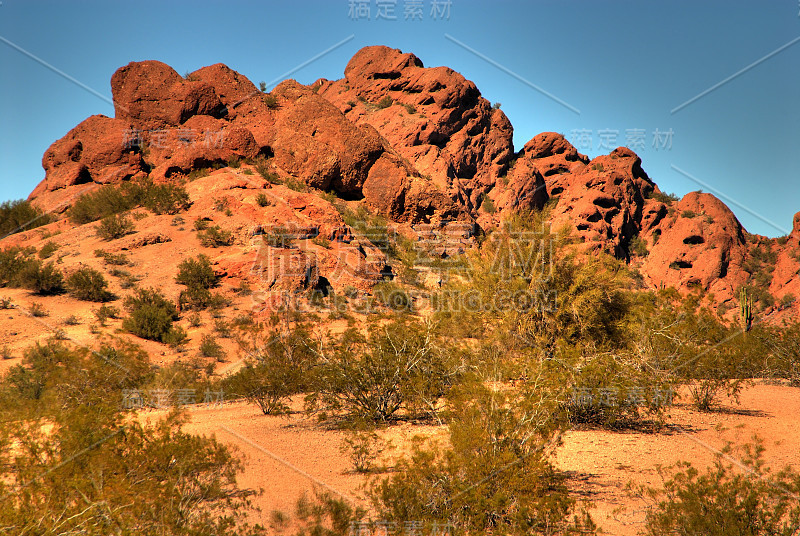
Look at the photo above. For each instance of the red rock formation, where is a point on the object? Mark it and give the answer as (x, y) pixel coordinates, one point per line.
(700, 242)
(416, 144)
(433, 117)
(151, 95)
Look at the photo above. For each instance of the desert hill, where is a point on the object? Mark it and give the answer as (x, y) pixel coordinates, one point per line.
(417, 145)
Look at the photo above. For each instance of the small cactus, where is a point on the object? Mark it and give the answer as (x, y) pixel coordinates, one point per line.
(745, 309)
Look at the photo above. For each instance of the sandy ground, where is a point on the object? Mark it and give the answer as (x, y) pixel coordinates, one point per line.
(287, 456)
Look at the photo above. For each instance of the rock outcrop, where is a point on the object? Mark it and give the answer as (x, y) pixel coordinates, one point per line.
(416, 144)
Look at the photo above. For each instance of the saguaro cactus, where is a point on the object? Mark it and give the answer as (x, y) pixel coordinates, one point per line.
(745, 309)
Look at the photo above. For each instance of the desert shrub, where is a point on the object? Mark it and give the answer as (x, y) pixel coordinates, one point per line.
(235, 162)
(105, 312)
(494, 477)
(72, 320)
(89, 285)
(151, 315)
(119, 259)
(209, 347)
(112, 199)
(688, 214)
(488, 205)
(214, 237)
(362, 447)
(262, 200)
(171, 482)
(665, 198)
(164, 198)
(37, 310)
(393, 296)
(115, 226)
(43, 279)
(528, 283)
(106, 201)
(277, 367)
(13, 262)
(48, 249)
(18, 216)
(279, 237)
(638, 246)
(385, 102)
(725, 499)
(411, 109)
(197, 273)
(400, 365)
(322, 515)
(270, 100)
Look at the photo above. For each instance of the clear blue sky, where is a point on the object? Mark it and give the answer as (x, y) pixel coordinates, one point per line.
(625, 65)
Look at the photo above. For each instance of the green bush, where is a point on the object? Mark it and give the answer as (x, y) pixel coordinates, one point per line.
(13, 262)
(385, 102)
(494, 477)
(725, 499)
(113, 199)
(214, 237)
(209, 347)
(43, 279)
(105, 312)
(151, 315)
(114, 227)
(262, 200)
(278, 367)
(197, 273)
(488, 205)
(48, 249)
(89, 285)
(638, 246)
(18, 216)
(665, 198)
(397, 366)
(393, 296)
(119, 259)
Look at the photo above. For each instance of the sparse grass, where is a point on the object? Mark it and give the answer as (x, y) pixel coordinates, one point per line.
(72, 320)
(688, 214)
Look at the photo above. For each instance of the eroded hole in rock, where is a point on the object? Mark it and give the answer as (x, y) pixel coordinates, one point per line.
(386, 273)
(83, 177)
(583, 227)
(391, 75)
(680, 265)
(594, 217)
(172, 170)
(694, 240)
(323, 286)
(557, 190)
(604, 202)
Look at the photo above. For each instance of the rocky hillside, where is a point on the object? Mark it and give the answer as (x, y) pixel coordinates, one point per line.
(417, 144)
